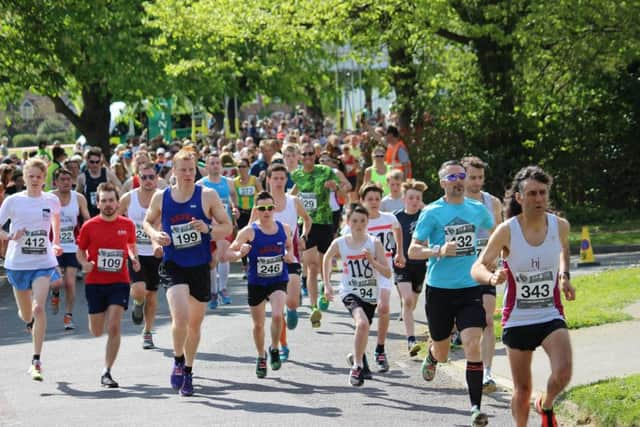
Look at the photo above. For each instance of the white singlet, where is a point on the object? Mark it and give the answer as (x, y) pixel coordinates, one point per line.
(68, 221)
(33, 251)
(358, 276)
(532, 295)
(136, 213)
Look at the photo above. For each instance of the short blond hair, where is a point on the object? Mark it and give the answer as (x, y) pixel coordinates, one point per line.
(36, 163)
(184, 154)
(412, 184)
(396, 174)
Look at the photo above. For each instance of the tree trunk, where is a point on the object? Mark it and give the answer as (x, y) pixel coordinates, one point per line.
(231, 115)
(403, 80)
(315, 105)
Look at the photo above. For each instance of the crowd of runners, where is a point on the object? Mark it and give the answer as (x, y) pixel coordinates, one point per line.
(293, 208)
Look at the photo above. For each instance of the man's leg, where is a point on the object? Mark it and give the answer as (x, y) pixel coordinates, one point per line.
(178, 298)
(258, 314)
(196, 311)
(150, 308)
(557, 345)
(520, 363)
(276, 299)
(471, 345)
(361, 335)
(293, 292)
(70, 288)
(383, 327)
(137, 309)
(409, 301)
(40, 288)
(113, 323)
(312, 261)
(488, 342)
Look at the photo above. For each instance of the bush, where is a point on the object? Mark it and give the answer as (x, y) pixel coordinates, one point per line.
(51, 126)
(25, 140)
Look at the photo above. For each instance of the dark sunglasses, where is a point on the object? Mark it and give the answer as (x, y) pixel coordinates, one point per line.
(263, 208)
(94, 162)
(308, 154)
(453, 176)
(379, 156)
(147, 177)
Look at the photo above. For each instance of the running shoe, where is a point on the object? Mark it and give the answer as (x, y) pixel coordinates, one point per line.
(489, 386)
(187, 385)
(226, 298)
(355, 377)
(292, 319)
(547, 415)
(68, 323)
(366, 371)
(284, 353)
(213, 303)
(478, 418)
(414, 348)
(261, 366)
(274, 355)
(316, 316)
(177, 375)
(147, 341)
(36, 370)
(428, 368)
(137, 314)
(55, 302)
(381, 361)
(107, 381)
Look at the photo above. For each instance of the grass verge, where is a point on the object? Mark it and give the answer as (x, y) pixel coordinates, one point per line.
(625, 232)
(613, 402)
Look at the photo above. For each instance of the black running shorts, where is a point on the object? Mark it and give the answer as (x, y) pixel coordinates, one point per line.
(444, 307)
(256, 294)
(530, 337)
(320, 236)
(413, 273)
(197, 278)
(352, 302)
(148, 273)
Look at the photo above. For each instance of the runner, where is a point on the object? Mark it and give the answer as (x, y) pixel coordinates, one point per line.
(535, 246)
(410, 279)
(31, 258)
(226, 190)
(473, 184)
(269, 247)
(95, 174)
(144, 283)
(377, 172)
(363, 261)
(247, 186)
(73, 207)
(446, 234)
(185, 210)
(393, 201)
(287, 210)
(313, 185)
(386, 228)
(105, 243)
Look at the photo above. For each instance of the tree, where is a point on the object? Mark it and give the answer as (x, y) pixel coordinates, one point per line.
(96, 52)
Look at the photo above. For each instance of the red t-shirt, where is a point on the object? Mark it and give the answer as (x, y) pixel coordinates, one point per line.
(106, 243)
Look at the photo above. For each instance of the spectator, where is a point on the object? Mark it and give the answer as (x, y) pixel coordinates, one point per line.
(397, 155)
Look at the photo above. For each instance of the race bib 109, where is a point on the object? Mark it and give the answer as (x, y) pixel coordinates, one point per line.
(110, 260)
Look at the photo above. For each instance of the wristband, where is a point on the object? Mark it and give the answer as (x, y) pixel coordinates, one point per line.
(436, 248)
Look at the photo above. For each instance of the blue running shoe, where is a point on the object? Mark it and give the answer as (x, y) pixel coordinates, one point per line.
(213, 303)
(226, 298)
(177, 375)
(187, 385)
(305, 291)
(284, 353)
(292, 319)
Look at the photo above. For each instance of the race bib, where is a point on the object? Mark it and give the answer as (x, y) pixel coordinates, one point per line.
(388, 242)
(309, 201)
(66, 235)
(93, 198)
(246, 191)
(185, 236)
(465, 237)
(110, 260)
(35, 242)
(534, 289)
(270, 266)
(141, 237)
(361, 280)
(480, 245)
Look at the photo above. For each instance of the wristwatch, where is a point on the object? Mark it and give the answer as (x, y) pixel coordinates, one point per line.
(565, 275)
(209, 228)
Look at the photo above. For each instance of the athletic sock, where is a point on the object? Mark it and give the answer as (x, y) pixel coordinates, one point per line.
(179, 359)
(223, 273)
(474, 382)
(188, 369)
(379, 348)
(411, 339)
(487, 372)
(432, 358)
(106, 371)
(213, 274)
(36, 357)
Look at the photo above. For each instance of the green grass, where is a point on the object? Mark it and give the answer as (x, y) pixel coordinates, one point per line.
(600, 299)
(614, 402)
(624, 232)
(68, 148)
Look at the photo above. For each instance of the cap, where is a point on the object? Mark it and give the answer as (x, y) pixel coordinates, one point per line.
(160, 150)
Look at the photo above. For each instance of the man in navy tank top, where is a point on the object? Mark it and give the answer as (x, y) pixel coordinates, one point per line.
(535, 247)
(185, 212)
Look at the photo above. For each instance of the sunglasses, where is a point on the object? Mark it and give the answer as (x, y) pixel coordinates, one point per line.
(453, 176)
(263, 208)
(94, 162)
(308, 154)
(243, 166)
(147, 177)
(379, 156)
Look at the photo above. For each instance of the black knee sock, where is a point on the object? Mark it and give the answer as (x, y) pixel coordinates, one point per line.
(379, 348)
(411, 339)
(188, 369)
(179, 359)
(36, 357)
(432, 358)
(474, 382)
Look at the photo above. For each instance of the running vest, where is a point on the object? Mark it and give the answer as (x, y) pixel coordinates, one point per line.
(391, 159)
(136, 213)
(266, 263)
(246, 192)
(90, 190)
(408, 225)
(358, 276)
(188, 246)
(68, 222)
(532, 295)
(380, 179)
(222, 188)
(483, 235)
(289, 216)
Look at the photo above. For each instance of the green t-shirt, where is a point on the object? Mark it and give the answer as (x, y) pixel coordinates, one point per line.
(313, 194)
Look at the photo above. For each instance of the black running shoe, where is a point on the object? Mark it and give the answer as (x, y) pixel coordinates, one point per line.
(108, 382)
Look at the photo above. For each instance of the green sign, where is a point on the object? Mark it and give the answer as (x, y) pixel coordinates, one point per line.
(160, 119)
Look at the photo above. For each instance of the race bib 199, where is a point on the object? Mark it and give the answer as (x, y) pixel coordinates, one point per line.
(185, 236)
(465, 237)
(534, 289)
(309, 201)
(110, 260)
(270, 266)
(35, 242)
